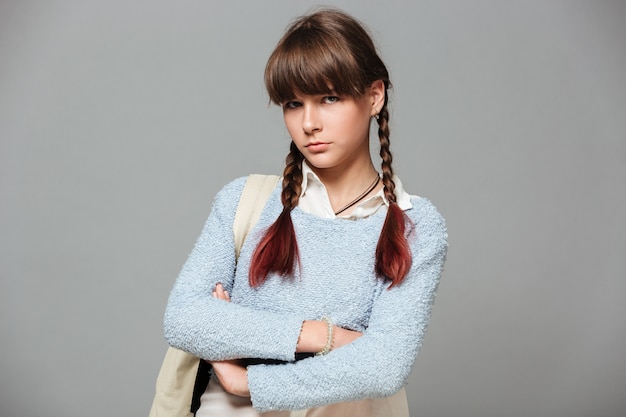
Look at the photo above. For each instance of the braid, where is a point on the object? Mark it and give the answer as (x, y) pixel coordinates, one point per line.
(393, 254)
(278, 249)
(385, 153)
(292, 178)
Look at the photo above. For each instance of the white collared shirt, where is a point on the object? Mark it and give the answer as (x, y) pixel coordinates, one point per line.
(314, 198)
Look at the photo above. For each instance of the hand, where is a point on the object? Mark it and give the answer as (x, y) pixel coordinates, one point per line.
(220, 293)
(345, 336)
(232, 376)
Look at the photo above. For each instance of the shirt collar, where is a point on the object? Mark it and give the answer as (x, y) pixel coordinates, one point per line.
(403, 199)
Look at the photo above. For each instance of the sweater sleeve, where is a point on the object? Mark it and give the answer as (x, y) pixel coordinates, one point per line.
(378, 363)
(213, 329)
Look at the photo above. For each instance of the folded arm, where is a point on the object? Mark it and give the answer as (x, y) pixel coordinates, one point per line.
(210, 328)
(378, 363)
(233, 375)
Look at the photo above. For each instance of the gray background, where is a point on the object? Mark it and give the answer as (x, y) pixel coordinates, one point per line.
(120, 120)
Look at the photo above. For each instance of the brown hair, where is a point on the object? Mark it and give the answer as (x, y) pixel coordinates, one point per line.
(328, 52)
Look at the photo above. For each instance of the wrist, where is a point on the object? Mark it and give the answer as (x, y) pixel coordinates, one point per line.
(233, 377)
(313, 336)
(330, 337)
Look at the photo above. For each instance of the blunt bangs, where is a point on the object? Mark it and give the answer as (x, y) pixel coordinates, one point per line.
(311, 62)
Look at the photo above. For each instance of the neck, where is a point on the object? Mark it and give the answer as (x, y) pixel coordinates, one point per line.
(346, 185)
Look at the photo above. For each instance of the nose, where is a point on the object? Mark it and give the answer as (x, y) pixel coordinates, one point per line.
(311, 122)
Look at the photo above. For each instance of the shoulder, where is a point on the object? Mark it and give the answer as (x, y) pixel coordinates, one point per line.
(423, 209)
(429, 224)
(232, 188)
(236, 186)
(229, 195)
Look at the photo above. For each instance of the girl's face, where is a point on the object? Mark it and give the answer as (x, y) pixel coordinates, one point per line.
(333, 131)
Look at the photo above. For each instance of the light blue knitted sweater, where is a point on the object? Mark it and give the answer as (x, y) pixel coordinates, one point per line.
(335, 279)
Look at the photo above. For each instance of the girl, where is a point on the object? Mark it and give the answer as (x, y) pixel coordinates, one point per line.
(333, 289)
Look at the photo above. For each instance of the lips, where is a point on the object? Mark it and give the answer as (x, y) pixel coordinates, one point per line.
(317, 146)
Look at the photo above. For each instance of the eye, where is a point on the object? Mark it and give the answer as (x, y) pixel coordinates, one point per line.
(292, 105)
(330, 99)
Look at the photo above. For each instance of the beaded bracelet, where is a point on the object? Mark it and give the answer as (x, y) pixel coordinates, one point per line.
(330, 337)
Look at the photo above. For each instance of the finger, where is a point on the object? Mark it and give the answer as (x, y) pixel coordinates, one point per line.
(221, 293)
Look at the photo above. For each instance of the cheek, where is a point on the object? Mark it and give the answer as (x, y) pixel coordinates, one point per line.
(357, 122)
(290, 125)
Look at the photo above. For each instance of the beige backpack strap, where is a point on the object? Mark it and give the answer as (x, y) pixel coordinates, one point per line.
(255, 194)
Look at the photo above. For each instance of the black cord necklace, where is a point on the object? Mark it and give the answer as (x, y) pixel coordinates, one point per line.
(360, 197)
